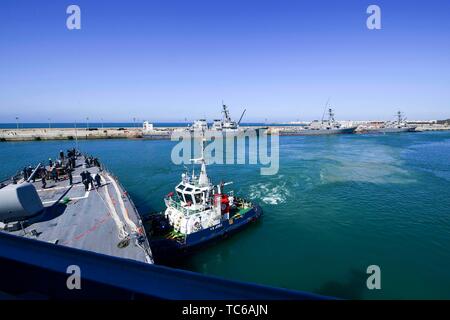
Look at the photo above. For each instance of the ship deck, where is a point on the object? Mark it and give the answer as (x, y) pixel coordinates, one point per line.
(102, 220)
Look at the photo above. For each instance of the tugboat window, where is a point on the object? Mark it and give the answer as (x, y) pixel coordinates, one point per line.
(188, 198)
(198, 197)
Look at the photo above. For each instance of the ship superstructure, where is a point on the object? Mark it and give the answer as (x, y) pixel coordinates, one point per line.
(397, 126)
(199, 126)
(324, 127)
(225, 125)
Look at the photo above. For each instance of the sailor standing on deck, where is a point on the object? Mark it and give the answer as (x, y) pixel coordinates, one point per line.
(54, 174)
(84, 180)
(98, 180)
(87, 180)
(90, 180)
(29, 171)
(69, 174)
(44, 174)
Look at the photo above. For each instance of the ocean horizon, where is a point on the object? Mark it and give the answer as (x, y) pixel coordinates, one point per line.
(63, 125)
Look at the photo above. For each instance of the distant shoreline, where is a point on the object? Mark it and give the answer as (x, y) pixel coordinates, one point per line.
(105, 125)
(123, 132)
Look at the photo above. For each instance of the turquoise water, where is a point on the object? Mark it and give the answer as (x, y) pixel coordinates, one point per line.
(337, 205)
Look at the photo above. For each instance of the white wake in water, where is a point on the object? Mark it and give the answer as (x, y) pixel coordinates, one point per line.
(273, 193)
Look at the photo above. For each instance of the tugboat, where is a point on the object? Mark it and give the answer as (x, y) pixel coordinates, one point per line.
(196, 213)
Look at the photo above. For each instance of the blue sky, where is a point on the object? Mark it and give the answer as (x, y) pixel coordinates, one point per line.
(171, 60)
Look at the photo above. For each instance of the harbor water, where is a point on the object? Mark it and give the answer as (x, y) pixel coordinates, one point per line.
(337, 205)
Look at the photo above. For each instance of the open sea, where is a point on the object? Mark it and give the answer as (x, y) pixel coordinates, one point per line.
(337, 205)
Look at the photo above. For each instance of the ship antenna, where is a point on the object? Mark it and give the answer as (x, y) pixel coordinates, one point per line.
(399, 117)
(226, 114)
(330, 115)
(240, 119)
(325, 109)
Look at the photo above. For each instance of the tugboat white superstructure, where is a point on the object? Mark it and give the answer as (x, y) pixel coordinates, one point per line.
(197, 212)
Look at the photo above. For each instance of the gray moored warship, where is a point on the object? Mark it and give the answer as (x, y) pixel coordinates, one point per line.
(400, 125)
(324, 127)
(225, 126)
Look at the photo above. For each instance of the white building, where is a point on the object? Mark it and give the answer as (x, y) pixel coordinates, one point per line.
(147, 126)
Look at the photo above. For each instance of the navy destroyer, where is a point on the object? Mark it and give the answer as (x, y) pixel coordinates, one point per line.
(197, 212)
(225, 126)
(50, 203)
(323, 127)
(397, 126)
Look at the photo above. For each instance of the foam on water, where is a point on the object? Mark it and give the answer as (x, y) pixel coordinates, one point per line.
(272, 193)
(358, 162)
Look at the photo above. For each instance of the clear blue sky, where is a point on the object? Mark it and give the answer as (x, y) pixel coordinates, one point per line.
(168, 60)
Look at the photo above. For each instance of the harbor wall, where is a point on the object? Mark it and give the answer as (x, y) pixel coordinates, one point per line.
(73, 134)
(39, 134)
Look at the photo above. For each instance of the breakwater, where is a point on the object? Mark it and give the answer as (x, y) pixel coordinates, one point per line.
(38, 134)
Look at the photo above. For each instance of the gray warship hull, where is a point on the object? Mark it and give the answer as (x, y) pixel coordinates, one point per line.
(390, 130)
(319, 132)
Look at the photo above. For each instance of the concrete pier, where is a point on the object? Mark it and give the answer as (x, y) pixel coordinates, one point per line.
(38, 134)
(81, 134)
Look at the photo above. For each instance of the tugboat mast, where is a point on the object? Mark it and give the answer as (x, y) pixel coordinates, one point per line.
(203, 177)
